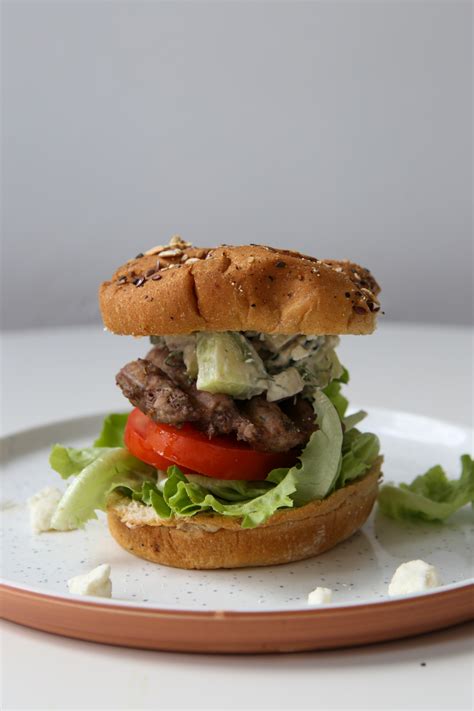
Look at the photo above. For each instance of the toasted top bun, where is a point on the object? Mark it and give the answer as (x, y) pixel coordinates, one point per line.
(179, 289)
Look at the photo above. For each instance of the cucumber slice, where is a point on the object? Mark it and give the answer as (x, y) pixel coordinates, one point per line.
(229, 364)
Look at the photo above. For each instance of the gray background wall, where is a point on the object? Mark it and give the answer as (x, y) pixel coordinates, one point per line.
(339, 128)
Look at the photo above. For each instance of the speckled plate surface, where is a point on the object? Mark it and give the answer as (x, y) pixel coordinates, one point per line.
(253, 609)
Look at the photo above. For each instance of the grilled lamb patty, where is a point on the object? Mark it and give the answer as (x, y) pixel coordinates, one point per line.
(160, 387)
(155, 394)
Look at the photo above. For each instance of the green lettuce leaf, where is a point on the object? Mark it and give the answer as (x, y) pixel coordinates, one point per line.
(150, 495)
(315, 476)
(344, 377)
(186, 498)
(183, 496)
(351, 421)
(333, 392)
(68, 461)
(431, 496)
(359, 452)
(112, 468)
(231, 489)
(112, 431)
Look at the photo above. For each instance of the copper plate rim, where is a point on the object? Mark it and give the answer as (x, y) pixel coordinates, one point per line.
(223, 631)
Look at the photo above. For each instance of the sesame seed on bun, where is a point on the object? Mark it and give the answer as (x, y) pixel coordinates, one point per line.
(180, 289)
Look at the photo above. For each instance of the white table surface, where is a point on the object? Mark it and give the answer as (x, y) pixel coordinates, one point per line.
(50, 375)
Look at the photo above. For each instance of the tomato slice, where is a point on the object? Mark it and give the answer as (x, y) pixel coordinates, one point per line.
(220, 457)
(136, 443)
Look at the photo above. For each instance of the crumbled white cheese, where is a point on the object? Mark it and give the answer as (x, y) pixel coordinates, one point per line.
(299, 352)
(187, 346)
(412, 577)
(320, 596)
(275, 343)
(96, 583)
(285, 384)
(179, 343)
(42, 507)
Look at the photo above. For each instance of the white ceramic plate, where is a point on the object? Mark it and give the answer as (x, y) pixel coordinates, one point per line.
(358, 570)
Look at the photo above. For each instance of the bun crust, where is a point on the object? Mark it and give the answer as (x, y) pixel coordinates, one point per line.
(208, 541)
(180, 289)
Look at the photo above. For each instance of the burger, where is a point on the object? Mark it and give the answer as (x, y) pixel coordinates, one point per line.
(238, 450)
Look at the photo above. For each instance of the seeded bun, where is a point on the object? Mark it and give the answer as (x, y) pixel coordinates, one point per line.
(179, 289)
(209, 541)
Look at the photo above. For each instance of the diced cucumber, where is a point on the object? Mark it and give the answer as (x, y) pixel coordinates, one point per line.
(229, 364)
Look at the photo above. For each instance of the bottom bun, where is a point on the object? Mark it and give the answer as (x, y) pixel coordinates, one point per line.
(213, 541)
